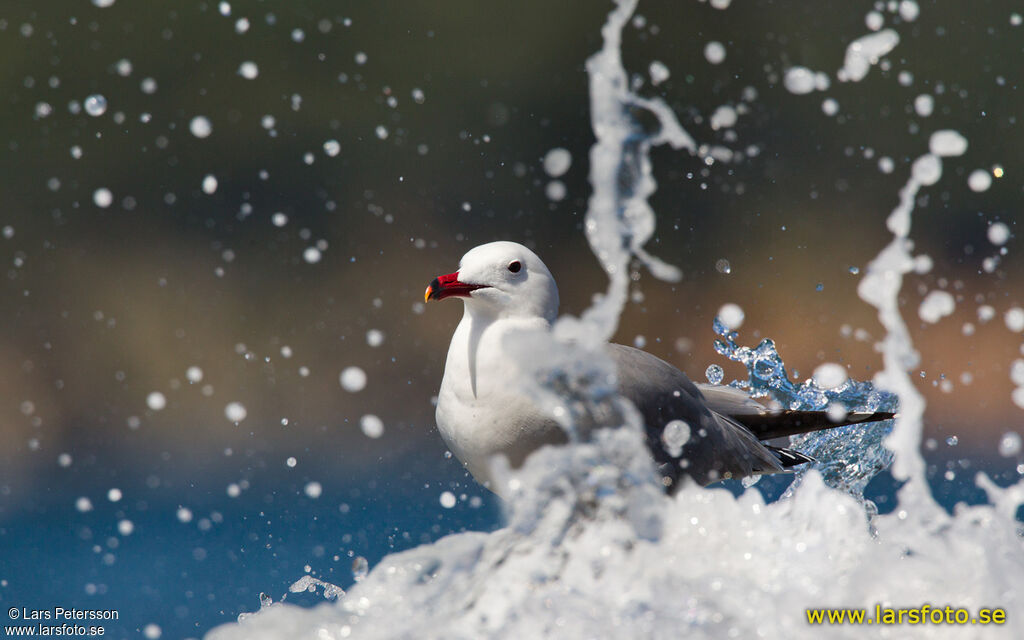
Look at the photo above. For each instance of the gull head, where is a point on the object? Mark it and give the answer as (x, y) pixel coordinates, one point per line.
(503, 279)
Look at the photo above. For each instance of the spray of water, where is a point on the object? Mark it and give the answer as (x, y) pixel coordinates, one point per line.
(848, 457)
(619, 221)
(593, 547)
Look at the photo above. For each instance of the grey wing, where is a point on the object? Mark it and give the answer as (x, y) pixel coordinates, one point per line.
(718, 447)
(729, 401)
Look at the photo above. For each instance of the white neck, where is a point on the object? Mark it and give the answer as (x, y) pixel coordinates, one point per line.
(490, 367)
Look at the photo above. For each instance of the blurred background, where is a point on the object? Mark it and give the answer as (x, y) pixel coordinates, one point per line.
(210, 211)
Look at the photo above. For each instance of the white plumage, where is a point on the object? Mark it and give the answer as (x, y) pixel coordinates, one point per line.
(482, 412)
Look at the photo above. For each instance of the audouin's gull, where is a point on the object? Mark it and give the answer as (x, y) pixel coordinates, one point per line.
(480, 412)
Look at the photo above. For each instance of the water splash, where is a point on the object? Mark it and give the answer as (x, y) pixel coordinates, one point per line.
(847, 457)
(567, 371)
(619, 220)
(593, 548)
(767, 376)
(266, 603)
(310, 584)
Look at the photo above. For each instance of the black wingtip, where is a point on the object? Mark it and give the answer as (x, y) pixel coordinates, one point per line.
(857, 417)
(775, 424)
(790, 458)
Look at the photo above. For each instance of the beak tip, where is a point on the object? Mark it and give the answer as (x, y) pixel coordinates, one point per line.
(426, 295)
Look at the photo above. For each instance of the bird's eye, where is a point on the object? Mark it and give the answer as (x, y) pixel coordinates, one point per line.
(515, 266)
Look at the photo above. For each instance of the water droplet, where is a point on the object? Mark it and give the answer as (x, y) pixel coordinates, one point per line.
(714, 374)
(1014, 319)
(731, 316)
(947, 142)
(372, 426)
(924, 105)
(998, 233)
(659, 72)
(156, 401)
(979, 180)
(95, 105)
(311, 255)
(353, 379)
(555, 191)
(249, 70)
(829, 375)
(909, 10)
(447, 499)
(675, 434)
(724, 117)
(714, 52)
(1010, 444)
(102, 197)
(557, 161)
(1017, 372)
(200, 126)
(209, 184)
(799, 80)
(235, 412)
(936, 305)
(836, 412)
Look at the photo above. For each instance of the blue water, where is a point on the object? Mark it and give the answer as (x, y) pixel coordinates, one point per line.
(187, 580)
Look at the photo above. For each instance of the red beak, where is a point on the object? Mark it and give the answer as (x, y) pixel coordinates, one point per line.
(449, 287)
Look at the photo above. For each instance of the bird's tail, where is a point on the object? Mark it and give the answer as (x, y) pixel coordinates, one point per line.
(775, 424)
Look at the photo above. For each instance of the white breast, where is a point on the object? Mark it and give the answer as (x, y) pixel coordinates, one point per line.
(481, 411)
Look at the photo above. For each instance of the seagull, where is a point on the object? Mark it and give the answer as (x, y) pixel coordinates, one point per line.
(481, 411)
